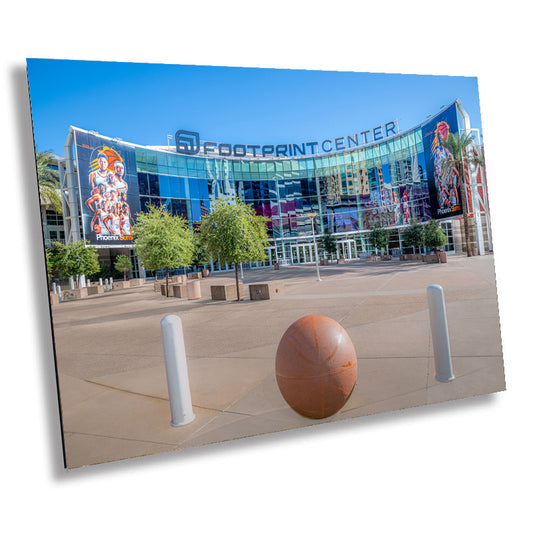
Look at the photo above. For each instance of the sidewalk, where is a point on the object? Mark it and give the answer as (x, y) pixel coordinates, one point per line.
(112, 375)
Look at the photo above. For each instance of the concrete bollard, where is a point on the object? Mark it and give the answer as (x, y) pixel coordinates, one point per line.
(106, 285)
(88, 283)
(439, 334)
(59, 292)
(82, 283)
(71, 283)
(54, 287)
(179, 392)
(110, 283)
(100, 281)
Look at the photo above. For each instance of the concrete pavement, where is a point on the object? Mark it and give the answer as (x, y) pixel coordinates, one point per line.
(112, 380)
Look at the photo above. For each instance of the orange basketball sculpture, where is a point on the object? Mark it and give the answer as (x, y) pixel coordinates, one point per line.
(316, 366)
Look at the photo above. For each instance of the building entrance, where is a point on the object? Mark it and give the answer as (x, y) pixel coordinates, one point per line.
(303, 253)
(346, 249)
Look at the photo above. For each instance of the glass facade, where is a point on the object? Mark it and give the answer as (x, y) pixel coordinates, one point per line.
(389, 183)
(386, 183)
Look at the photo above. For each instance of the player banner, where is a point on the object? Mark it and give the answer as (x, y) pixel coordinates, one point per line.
(443, 184)
(109, 189)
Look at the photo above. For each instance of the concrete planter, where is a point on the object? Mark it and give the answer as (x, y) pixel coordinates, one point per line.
(430, 258)
(74, 294)
(54, 299)
(194, 290)
(121, 284)
(386, 258)
(266, 291)
(227, 291)
(178, 290)
(276, 266)
(324, 261)
(95, 289)
(341, 261)
(194, 275)
(136, 282)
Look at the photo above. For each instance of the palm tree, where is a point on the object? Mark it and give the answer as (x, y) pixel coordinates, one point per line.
(460, 145)
(48, 182)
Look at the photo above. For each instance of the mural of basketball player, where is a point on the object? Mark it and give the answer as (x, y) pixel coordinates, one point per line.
(124, 223)
(112, 221)
(119, 181)
(101, 174)
(445, 178)
(96, 204)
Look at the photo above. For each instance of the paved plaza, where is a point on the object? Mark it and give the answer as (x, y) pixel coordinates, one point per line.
(112, 381)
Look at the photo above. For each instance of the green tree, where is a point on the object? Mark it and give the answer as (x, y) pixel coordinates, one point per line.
(234, 233)
(162, 240)
(123, 264)
(48, 179)
(434, 236)
(378, 238)
(413, 235)
(328, 243)
(201, 255)
(460, 145)
(76, 259)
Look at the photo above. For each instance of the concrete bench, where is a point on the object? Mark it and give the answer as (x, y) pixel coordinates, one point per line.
(431, 258)
(228, 291)
(266, 291)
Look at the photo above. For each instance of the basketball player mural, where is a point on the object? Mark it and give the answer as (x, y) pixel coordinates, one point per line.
(108, 201)
(446, 180)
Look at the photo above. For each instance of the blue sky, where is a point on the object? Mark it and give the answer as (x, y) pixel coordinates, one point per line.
(143, 103)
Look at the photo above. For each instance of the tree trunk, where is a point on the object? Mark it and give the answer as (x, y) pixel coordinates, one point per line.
(466, 221)
(237, 281)
(124, 275)
(166, 275)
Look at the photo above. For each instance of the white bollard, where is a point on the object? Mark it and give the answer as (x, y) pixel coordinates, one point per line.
(439, 334)
(110, 283)
(82, 283)
(100, 281)
(88, 283)
(179, 392)
(54, 287)
(59, 292)
(106, 285)
(71, 283)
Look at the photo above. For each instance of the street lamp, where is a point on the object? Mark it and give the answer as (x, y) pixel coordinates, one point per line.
(312, 217)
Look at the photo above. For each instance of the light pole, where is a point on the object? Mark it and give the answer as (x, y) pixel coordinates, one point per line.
(312, 217)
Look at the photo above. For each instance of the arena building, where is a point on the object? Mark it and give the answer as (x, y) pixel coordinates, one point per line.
(348, 184)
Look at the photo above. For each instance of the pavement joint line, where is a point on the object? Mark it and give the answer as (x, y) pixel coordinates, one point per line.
(387, 399)
(109, 387)
(163, 443)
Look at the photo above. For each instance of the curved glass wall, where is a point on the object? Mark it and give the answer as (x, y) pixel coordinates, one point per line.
(385, 183)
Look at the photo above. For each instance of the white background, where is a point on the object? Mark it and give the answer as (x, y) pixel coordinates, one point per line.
(461, 466)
